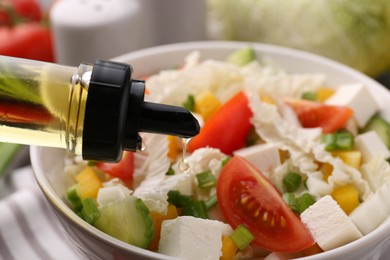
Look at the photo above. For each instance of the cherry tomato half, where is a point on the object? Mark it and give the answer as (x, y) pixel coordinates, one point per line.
(313, 114)
(246, 196)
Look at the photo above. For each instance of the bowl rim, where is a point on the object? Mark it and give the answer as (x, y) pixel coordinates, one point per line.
(60, 205)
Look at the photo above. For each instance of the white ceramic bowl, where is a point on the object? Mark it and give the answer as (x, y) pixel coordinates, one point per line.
(48, 162)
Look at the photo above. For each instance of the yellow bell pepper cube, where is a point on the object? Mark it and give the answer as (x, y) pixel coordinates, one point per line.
(324, 93)
(88, 183)
(347, 197)
(158, 218)
(326, 170)
(173, 148)
(206, 104)
(352, 158)
(229, 248)
(283, 155)
(268, 100)
(311, 250)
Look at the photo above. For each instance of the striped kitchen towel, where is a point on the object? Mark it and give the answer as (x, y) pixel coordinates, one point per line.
(27, 228)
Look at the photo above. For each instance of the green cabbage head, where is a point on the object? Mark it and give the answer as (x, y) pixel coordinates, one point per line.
(354, 32)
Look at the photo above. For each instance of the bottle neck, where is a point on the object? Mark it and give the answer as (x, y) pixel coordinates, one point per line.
(74, 123)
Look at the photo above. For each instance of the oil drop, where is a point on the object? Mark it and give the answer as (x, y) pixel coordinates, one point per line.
(184, 166)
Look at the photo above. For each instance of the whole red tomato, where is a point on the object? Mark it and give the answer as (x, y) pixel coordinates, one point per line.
(23, 32)
(16, 11)
(27, 40)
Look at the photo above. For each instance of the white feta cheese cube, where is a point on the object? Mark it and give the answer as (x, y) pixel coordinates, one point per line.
(189, 238)
(371, 146)
(358, 98)
(329, 225)
(263, 156)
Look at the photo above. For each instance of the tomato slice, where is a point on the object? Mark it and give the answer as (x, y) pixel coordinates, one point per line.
(313, 114)
(246, 196)
(124, 169)
(227, 128)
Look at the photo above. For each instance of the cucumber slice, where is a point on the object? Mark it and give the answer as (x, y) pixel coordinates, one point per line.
(128, 220)
(242, 57)
(381, 127)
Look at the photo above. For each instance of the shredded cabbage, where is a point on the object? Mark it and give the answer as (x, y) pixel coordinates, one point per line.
(305, 148)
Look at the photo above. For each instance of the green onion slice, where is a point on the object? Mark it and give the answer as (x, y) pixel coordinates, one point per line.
(338, 141)
(179, 200)
(195, 208)
(74, 198)
(90, 211)
(309, 96)
(292, 181)
(211, 202)
(242, 237)
(206, 180)
(305, 201)
(170, 171)
(92, 163)
(226, 160)
(291, 201)
(189, 104)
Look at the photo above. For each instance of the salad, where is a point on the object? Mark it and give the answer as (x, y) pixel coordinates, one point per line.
(284, 166)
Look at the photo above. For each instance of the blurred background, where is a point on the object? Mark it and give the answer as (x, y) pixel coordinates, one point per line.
(356, 33)
(353, 32)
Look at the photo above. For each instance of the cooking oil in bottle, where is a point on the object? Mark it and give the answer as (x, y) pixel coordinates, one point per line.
(42, 103)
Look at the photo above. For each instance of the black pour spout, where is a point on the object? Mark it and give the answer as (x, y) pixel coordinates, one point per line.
(157, 118)
(170, 120)
(116, 113)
